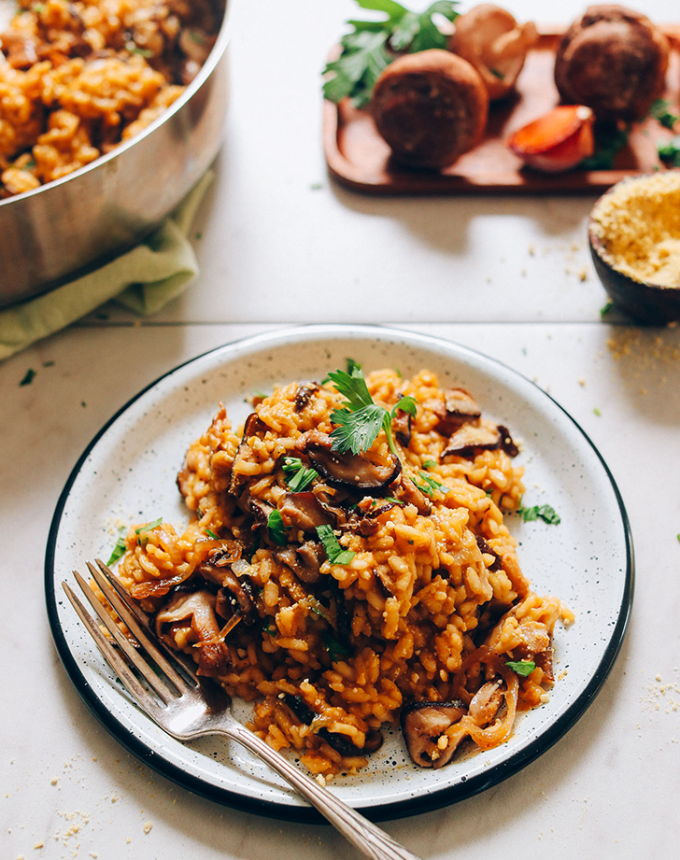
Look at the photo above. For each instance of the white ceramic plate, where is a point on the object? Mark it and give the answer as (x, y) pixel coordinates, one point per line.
(128, 473)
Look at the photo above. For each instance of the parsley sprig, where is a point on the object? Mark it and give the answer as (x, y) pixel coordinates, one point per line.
(544, 512)
(118, 550)
(335, 649)
(430, 485)
(276, 528)
(298, 476)
(359, 424)
(373, 45)
(521, 667)
(659, 110)
(669, 151)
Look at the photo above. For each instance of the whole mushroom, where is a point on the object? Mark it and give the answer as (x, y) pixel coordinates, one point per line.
(613, 60)
(491, 40)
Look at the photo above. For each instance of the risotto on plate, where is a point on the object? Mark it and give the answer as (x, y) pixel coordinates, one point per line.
(346, 567)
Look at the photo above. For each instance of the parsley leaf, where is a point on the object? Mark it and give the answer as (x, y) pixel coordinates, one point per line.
(276, 528)
(669, 151)
(356, 430)
(298, 476)
(609, 139)
(604, 310)
(360, 423)
(211, 534)
(335, 553)
(430, 485)
(544, 512)
(28, 377)
(373, 45)
(429, 464)
(351, 364)
(521, 667)
(335, 649)
(659, 110)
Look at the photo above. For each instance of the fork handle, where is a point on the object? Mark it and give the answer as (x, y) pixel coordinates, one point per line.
(363, 834)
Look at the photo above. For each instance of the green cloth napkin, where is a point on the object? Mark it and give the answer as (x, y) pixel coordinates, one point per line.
(143, 280)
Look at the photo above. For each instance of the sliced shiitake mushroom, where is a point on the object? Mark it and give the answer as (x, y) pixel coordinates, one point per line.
(304, 511)
(458, 408)
(352, 470)
(482, 435)
(305, 560)
(423, 724)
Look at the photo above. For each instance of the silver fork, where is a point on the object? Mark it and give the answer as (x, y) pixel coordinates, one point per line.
(189, 707)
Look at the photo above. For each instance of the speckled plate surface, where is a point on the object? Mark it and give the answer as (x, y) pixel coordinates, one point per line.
(127, 473)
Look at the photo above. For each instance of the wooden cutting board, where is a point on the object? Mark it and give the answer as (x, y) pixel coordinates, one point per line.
(360, 159)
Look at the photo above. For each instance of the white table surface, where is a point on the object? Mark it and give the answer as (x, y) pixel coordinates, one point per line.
(274, 250)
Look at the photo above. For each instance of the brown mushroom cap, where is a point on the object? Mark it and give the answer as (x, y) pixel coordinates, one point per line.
(491, 40)
(613, 60)
(351, 470)
(430, 107)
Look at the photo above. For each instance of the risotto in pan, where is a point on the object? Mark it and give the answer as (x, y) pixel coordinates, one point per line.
(346, 567)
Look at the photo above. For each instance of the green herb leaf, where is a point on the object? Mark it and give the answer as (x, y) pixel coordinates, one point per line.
(118, 551)
(352, 386)
(356, 431)
(28, 377)
(334, 552)
(298, 476)
(430, 485)
(604, 310)
(142, 52)
(521, 667)
(406, 404)
(351, 364)
(148, 526)
(609, 139)
(659, 110)
(669, 151)
(429, 464)
(335, 649)
(544, 512)
(276, 528)
(373, 45)
(597, 412)
(211, 534)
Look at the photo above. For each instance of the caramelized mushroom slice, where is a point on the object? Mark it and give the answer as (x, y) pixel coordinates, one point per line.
(486, 702)
(305, 561)
(485, 549)
(469, 439)
(352, 470)
(458, 408)
(254, 426)
(198, 608)
(407, 492)
(401, 427)
(238, 592)
(423, 724)
(345, 747)
(304, 394)
(304, 511)
(507, 442)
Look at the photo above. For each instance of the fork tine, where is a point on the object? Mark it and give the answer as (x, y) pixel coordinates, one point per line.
(114, 660)
(138, 624)
(132, 653)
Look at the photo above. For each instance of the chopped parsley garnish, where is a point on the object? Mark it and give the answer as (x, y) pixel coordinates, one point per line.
(142, 52)
(298, 476)
(521, 667)
(351, 364)
(373, 45)
(497, 74)
(669, 151)
(360, 423)
(659, 110)
(211, 534)
(604, 310)
(429, 464)
(430, 485)
(269, 629)
(544, 512)
(28, 377)
(148, 526)
(609, 139)
(597, 412)
(678, 537)
(334, 552)
(276, 528)
(335, 649)
(197, 36)
(119, 549)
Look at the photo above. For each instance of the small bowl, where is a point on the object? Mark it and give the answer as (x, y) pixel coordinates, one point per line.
(647, 303)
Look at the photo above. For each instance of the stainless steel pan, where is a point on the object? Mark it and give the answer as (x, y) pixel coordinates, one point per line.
(108, 206)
